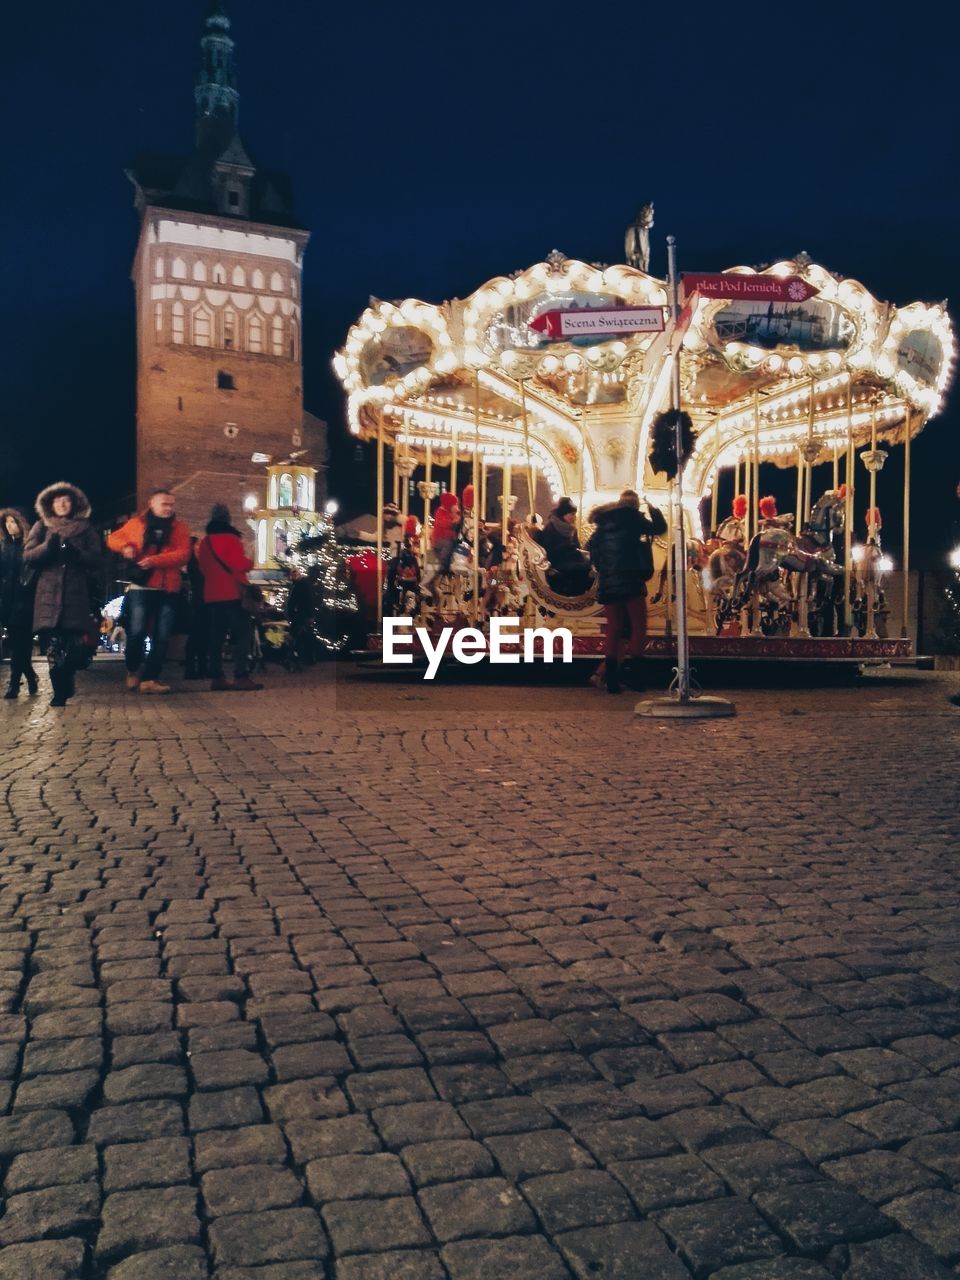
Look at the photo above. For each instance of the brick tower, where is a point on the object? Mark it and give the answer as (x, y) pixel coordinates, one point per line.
(217, 277)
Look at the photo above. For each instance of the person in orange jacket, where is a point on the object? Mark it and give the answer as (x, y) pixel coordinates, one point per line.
(155, 547)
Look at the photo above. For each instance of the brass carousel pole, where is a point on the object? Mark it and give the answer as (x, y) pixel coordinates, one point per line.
(453, 463)
(380, 487)
(836, 466)
(714, 498)
(427, 492)
(507, 494)
(848, 515)
(475, 480)
(748, 494)
(796, 518)
(483, 487)
(756, 457)
(531, 487)
(906, 525)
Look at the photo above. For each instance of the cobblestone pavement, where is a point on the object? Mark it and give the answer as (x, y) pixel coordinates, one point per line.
(413, 982)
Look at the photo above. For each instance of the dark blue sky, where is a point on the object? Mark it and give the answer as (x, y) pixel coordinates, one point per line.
(434, 145)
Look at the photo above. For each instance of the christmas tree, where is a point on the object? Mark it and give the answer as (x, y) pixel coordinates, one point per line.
(318, 600)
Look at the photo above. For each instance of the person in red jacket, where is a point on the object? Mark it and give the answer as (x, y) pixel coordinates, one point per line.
(155, 547)
(225, 565)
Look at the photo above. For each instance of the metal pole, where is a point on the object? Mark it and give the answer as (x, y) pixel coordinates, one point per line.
(752, 499)
(428, 476)
(531, 487)
(380, 521)
(848, 515)
(680, 552)
(796, 517)
(506, 495)
(906, 525)
(475, 480)
(714, 498)
(453, 464)
(756, 456)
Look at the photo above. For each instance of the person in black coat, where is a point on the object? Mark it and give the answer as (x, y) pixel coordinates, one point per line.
(623, 559)
(16, 601)
(569, 573)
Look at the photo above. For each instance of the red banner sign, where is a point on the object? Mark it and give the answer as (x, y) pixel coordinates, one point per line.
(738, 287)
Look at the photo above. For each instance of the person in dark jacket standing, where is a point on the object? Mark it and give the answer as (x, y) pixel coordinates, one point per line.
(64, 549)
(622, 556)
(16, 601)
(225, 565)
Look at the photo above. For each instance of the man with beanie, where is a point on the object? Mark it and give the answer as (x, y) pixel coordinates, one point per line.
(155, 547)
(569, 573)
(225, 565)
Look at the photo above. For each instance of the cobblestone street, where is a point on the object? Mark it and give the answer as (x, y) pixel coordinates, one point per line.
(354, 980)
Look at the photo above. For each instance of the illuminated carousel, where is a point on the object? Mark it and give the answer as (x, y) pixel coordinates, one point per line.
(490, 398)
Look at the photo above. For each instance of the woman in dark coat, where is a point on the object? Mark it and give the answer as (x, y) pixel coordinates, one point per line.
(622, 556)
(64, 549)
(569, 568)
(16, 601)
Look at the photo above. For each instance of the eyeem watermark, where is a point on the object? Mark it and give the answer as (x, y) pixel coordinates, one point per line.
(469, 645)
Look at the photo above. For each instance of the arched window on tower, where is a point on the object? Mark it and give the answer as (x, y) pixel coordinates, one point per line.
(202, 328)
(294, 339)
(255, 333)
(239, 277)
(303, 492)
(262, 541)
(177, 323)
(293, 288)
(276, 282)
(179, 269)
(277, 335)
(272, 493)
(257, 279)
(158, 318)
(199, 271)
(286, 490)
(219, 275)
(229, 328)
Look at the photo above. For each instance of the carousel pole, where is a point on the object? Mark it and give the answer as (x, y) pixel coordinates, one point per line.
(848, 515)
(756, 458)
(873, 531)
(483, 487)
(506, 495)
(906, 525)
(475, 481)
(749, 495)
(531, 487)
(427, 491)
(396, 478)
(714, 499)
(380, 486)
(796, 518)
(453, 463)
(683, 706)
(836, 466)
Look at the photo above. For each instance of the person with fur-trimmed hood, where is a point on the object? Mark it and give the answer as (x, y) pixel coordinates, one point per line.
(64, 549)
(622, 556)
(16, 601)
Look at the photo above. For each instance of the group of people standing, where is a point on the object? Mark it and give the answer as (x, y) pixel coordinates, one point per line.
(48, 589)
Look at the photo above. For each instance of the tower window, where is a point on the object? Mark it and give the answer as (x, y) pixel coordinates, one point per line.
(229, 329)
(158, 268)
(219, 275)
(158, 317)
(176, 323)
(255, 334)
(225, 381)
(199, 271)
(179, 269)
(258, 279)
(277, 336)
(276, 282)
(238, 277)
(201, 329)
(233, 198)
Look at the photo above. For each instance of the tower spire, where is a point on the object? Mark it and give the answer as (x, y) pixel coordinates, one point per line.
(215, 93)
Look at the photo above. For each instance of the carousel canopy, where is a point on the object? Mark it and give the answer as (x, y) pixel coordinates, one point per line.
(773, 377)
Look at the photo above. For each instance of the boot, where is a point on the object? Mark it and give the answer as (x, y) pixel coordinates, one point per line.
(634, 675)
(153, 686)
(60, 680)
(245, 684)
(219, 685)
(33, 684)
(613, 675)
(13, 688)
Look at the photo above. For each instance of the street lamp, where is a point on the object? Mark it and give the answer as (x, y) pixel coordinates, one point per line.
(954, 558)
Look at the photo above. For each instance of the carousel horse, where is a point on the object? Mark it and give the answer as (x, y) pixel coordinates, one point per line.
(870, 610)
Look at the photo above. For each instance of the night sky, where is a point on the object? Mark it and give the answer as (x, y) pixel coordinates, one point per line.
(432, 146)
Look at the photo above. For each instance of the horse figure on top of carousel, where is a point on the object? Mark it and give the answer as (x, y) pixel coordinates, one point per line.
(869, 604)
